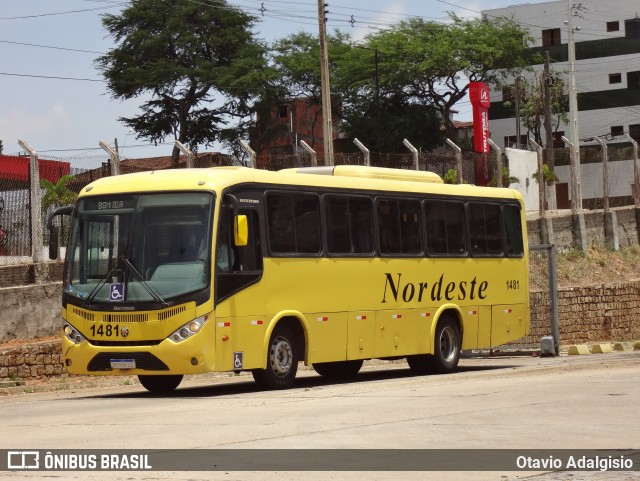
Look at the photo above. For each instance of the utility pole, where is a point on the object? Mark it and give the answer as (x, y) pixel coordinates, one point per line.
(327, 124)
(574, 135)
(548, 134)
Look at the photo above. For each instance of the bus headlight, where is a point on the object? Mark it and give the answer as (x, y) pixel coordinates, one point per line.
(189, 329)
(72, 334)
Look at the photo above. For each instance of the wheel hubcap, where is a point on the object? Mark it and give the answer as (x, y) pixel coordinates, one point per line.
(281, 356)
(448, 344)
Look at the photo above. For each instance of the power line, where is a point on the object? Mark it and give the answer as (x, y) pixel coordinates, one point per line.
(21, 17)
(9, 74)
(51, 47)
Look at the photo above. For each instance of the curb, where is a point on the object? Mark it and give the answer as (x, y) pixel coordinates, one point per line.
(578, 349)
(601, 348)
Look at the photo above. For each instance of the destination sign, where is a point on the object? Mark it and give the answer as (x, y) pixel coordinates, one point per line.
(109, 204)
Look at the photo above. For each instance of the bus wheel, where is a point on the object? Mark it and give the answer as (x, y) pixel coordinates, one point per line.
(160, 384)
(446, 346)
(282, 360)
(339, 369)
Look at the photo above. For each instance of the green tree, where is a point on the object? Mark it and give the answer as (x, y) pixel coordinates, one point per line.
(451, 177)
(296, 63)
(532, 104)
(58, 194)
(399, 119)
(432, 63)
(379, 118)
(199, 63)
(507, 179)
(548, 176)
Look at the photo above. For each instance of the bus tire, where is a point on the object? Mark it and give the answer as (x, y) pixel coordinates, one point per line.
(447, 346)
(282, 360)
(338, 369)
(160, 384)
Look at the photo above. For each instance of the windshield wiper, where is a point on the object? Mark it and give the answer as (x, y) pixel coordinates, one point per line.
(144, 283)
(116, 268)
(103, 281)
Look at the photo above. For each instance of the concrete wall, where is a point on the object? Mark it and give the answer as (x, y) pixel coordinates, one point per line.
(562, 227)
(30, 311)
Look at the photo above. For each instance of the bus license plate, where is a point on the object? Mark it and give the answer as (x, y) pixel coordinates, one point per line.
(123, 363)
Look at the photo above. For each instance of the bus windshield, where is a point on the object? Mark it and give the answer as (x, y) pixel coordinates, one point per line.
(140, 248)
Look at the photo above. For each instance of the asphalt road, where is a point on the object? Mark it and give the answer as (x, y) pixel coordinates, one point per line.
(519, 403)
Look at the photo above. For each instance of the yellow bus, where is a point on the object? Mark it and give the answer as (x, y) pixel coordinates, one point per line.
(178, 272)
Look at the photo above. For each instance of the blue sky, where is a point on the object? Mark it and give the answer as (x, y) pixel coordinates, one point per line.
(52, 96)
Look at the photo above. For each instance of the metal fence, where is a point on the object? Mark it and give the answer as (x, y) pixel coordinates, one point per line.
(60, 175)
(543, 296)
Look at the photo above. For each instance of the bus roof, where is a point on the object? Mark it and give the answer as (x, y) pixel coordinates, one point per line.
(344, 176)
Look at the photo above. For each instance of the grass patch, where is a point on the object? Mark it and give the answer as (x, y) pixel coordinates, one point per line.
(599, 265)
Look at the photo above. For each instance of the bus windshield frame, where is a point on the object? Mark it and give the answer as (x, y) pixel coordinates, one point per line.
(142, 249)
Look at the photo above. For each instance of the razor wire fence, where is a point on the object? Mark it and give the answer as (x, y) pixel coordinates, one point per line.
(63, 178)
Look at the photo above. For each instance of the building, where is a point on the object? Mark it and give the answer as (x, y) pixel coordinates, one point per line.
(289, 123)
(607, 50)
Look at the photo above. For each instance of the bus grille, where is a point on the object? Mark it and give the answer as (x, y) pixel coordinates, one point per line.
(125, 317)
(144, 360)
(128, 316)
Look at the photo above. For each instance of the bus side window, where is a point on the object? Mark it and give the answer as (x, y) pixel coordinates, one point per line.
(338, 233)
(399, 226)
(231, 258)
(293, 222)
(445, 228)
(361, 218)
(485, 229)
(455, 222)
(349, 225)
(513, 230)
(388, 226)
(436, 227)
(237, 267)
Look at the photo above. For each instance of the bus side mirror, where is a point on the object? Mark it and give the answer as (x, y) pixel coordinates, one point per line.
(54, 230)
(54, 241)
(240, 231)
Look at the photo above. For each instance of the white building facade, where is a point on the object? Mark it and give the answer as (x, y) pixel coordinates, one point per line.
(607, 73)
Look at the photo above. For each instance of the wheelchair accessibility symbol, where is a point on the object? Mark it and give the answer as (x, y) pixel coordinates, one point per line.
(237, 360)
(116, 291)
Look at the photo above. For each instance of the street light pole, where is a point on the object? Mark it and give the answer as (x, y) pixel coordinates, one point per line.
(573, 105)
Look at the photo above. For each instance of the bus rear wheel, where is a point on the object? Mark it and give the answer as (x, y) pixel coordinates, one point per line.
(446, 346)
(282, 360)
(446, 350)
(338, 369)
(160, 384)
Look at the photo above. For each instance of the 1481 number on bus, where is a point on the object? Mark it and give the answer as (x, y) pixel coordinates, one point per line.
(513, 284)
